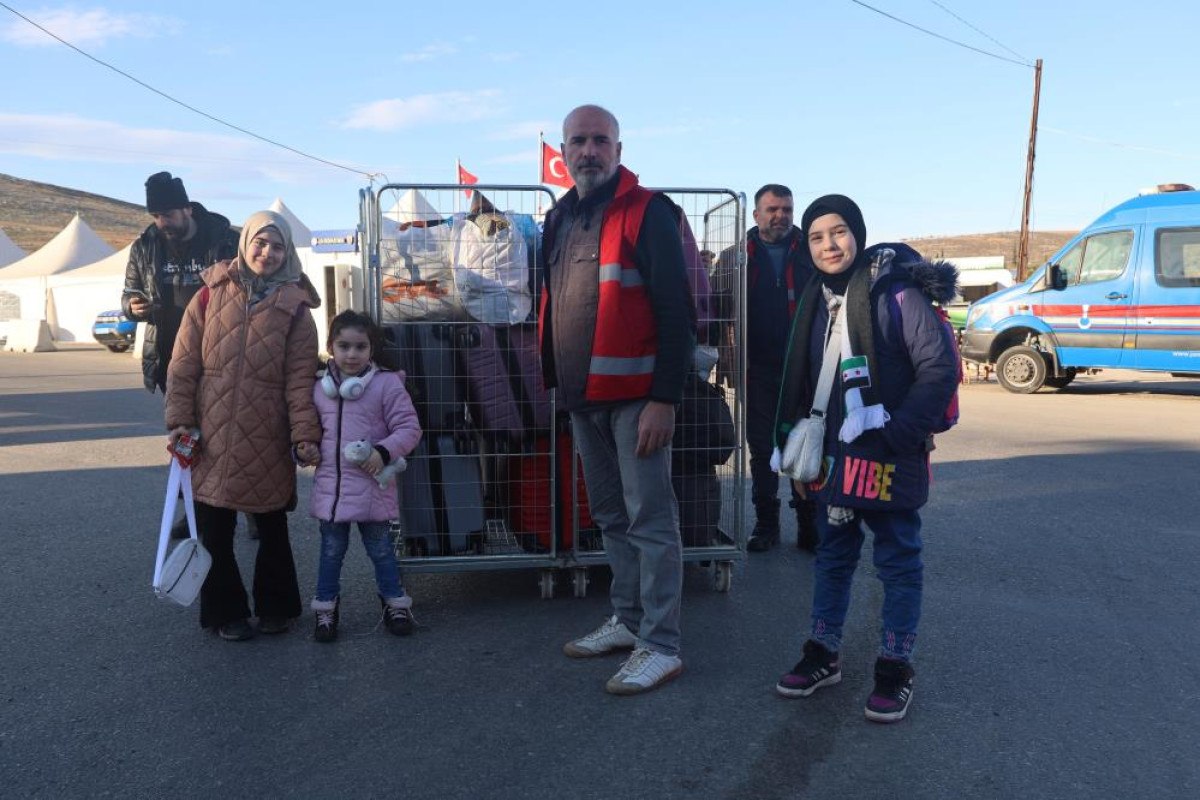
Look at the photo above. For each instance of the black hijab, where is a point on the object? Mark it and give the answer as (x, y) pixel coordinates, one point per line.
(848, 210)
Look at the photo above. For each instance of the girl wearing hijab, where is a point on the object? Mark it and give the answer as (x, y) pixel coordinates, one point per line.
(242, 372)
(893, 372)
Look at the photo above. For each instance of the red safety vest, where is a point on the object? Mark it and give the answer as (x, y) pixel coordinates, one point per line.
(626, 338)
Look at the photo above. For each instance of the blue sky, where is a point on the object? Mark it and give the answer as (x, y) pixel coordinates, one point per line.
(822, 95)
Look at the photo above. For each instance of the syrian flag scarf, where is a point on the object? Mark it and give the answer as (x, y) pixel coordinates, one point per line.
(860, 399)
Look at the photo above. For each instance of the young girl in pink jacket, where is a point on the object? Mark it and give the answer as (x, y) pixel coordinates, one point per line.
(357, 401)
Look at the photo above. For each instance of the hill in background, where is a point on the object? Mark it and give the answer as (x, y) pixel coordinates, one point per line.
(32, 213)
(1042, 245)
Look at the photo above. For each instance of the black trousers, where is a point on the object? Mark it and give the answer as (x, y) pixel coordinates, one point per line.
(223, 597)
(762, 397)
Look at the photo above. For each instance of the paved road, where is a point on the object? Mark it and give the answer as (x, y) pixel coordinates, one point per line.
(1057, 657)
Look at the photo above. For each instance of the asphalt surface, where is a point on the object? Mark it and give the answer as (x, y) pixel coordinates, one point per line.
(1057, 656)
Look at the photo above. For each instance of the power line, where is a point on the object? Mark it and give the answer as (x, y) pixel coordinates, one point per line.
(193, 109)
(977, 30)
(940, 36)
(1122, 145)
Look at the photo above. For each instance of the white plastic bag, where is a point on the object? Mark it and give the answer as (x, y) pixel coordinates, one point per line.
(491, 269)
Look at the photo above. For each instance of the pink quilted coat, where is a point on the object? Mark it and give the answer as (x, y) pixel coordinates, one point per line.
(244, 375)
(383, 415)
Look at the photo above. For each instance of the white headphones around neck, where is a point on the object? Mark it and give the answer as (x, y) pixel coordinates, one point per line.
(350, 388)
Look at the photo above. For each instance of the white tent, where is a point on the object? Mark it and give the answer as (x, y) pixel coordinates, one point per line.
(24, 293)
(74, 298)
(412, 206)
(301, 235)
(73, 246)
(9, 252)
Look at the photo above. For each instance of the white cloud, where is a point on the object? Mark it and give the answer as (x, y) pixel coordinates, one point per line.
(429, 52)
(70, 138)
(503, 58)
(425, 109)
(94, 27)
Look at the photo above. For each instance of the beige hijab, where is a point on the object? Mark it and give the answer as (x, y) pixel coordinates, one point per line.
(259, 286)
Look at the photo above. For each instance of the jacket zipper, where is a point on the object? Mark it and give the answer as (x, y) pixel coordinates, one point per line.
(337, 462)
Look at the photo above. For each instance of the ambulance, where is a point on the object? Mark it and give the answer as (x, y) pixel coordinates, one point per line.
(1123, 294)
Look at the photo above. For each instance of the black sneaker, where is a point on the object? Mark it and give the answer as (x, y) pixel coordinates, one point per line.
(237, 631)
(893, 691)
(399, 621)
(327, 621)
(818, 668)
(272, 625)
(763, 538)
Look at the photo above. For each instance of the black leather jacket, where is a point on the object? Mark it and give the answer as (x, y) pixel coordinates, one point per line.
(214, 241)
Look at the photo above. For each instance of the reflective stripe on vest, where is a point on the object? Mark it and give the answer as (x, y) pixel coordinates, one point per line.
(626, 337)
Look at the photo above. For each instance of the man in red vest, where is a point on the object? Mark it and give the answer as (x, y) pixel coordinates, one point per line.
(618, 330)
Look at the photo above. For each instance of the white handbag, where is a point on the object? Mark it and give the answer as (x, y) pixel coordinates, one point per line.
(179, 577)
(801, 457)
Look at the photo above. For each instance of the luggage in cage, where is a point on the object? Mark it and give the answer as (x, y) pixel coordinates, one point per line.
(506, 389)
(441, 493)
(531, 506)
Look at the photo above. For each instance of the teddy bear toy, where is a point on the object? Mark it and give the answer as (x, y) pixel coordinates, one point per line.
(358, 452)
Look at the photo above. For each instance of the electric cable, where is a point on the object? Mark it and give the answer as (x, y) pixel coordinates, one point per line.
(940, 36)
(193, 109)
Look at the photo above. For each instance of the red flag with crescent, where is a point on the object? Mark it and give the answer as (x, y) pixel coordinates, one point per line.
(554, 169)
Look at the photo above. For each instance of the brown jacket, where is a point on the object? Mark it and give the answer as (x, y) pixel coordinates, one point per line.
(244, 376)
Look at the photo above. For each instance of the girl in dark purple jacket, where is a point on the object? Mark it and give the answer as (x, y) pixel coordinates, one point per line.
(368, 410)
(893, 375)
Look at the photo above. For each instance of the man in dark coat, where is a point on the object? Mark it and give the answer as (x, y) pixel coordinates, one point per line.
(164, 268)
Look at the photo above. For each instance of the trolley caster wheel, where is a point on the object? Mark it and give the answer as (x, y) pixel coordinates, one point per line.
(546, 584)
(580, 581)
(722, 576)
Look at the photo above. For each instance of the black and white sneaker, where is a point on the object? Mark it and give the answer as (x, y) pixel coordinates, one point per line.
(819, 667)
(893, 691)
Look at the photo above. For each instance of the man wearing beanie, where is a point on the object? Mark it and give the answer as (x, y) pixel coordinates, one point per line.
(164, 268)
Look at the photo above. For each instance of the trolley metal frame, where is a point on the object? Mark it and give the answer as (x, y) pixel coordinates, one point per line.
(719, 559)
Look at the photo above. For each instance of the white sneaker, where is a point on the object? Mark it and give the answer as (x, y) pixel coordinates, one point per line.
(644, 670)
(610, 636)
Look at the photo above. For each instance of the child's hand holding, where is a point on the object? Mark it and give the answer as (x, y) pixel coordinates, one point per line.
(374, 463)
(308, 454)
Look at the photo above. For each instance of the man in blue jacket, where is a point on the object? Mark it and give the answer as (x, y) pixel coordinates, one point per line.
(777, 268)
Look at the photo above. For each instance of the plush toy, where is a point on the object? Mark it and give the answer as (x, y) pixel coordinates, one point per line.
(358, 452)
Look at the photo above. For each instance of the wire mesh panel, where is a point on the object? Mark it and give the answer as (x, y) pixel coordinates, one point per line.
(455, 287)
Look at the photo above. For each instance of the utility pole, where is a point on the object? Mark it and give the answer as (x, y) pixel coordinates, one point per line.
(1023, 246)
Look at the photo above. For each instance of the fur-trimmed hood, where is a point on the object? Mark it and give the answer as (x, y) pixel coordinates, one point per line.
(937, 280)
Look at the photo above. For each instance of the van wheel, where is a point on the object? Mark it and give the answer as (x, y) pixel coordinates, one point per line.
(1021, 369)
(1060, 381)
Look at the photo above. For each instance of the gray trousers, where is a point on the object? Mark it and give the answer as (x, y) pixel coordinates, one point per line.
(632, 502)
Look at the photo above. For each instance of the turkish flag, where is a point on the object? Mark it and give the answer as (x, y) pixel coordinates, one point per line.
(554, 169)
(466, 178)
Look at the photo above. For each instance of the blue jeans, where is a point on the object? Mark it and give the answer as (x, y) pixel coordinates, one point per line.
(897, 564)
(377, 541)
(632, 502)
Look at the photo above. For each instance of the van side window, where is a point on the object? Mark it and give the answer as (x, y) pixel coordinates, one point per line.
(1068, 265)
(1105, 256)
(1177, 257)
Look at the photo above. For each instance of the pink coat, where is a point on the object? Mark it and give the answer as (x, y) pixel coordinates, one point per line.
(384, 415)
